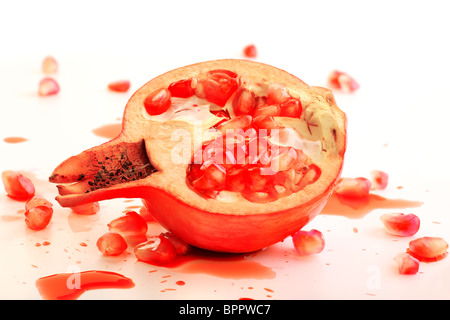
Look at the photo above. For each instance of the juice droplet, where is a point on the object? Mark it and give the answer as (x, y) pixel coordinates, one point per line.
(69, 286)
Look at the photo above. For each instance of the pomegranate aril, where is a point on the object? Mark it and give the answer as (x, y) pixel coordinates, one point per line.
(379, 179)
(240, 122)
(130, 224)
(308, 242)
(353, 187)
(111, 244)
(341, 81)
(37, 218)
(250, 51)
(17, 186)
(38, 202)
(157, 250)
(264, 122)
(406, 263)
(119, 86)
(243, 102)
(48, 87)
(182, 88)
(268, 110)
(277, 94)
(291, 108)
(428, 249)
(400, 224)
(181, 247)
(49, 65)
(86, 208)
(219, 86)
(157, 102)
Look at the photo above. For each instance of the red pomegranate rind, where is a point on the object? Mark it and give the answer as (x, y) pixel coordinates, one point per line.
(406, 263)
(37, 218)
(400, 224)
(156, 250)
(119, 86)
(428, 249)
(379, 179)
(87, 208)
(157, 102)
(48, 87)
(353, 187)
(111, 244)
(250, 51)
(130, 224)
(17, 186)
(308, 242)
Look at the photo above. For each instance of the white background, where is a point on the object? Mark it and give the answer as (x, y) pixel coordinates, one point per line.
(397, 122)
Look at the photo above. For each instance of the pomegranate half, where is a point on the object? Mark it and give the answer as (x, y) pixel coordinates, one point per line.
(186, 149)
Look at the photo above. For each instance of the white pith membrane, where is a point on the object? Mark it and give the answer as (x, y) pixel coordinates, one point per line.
(198, 112)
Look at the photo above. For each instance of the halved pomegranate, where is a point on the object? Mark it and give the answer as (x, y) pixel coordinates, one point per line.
(228, 155)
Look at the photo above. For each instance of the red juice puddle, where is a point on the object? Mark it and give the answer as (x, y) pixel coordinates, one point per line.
(222, 265)
(69, 286)
(355, 208)
(108, 131)
(14, 139)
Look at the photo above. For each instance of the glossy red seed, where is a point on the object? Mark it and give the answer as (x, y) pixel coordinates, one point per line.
(49, 65)
(243, 102)
(130, 224)
(37, 218)
(157, 102)
(277, 93)
(182, 88)
(182, 248)
(379, 179)
(240, 122)
(38, 202)
(342, 81)
(400, 224)
(218, 87)
(353, 187)
(17, 186)
(308, 242)
(119, 86)
(111, 244)
(250, 51)
(48, 87)
(157, 250)
(406, 263)
(428, 249)
(87, 208)
(264, 122)
(291, 108)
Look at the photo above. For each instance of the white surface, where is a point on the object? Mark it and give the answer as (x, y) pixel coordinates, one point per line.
(397, 51)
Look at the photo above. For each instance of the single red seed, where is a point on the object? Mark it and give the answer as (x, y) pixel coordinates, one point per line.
(428, 249)
(48, 87)
(277, 93)
(406, 263)
(342, 81)
(308, 242)
(130, 224)
(379, 179)
(157, 102)
(243, 102)
(111, 244)
(38, 202)
(250, 51)
(119, 86)
(291, 108)
(400, 224)
(182, 88)
(37, 218)
(181, 247)
(218, 86)
(17, 186)
(49, 65)
(353, 187)
(157, 250)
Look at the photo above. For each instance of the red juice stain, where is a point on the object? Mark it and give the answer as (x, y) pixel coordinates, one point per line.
(14, 139)
(69, 286)
(108, 131)
(358, 207)
(222, 265)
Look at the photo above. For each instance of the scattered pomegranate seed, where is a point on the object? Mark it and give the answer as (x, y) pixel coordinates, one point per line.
(38, 202)
(379, 179)
(119, 86)
(37, 218)
(341, 81)
(308, 242)
(182, 88)
(218, 86)
(157, 102)
(48, 87)
(131, 224)
(406, 263)
(157, 250)
(49, 65)
(86, 208)
(250, 51)
(17, 186)
(111, 244)
(181, 248)
(353, 187)
(400, 224)
(428, 249)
